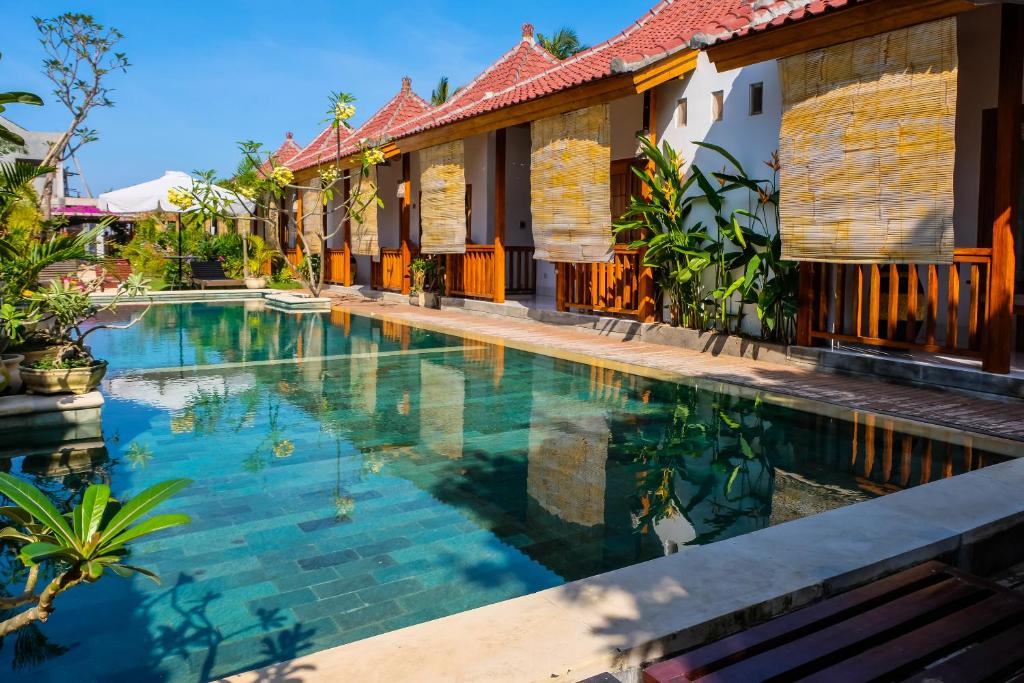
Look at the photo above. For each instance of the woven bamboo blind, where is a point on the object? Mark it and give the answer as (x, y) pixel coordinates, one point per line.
(312, 215)
(570, 169)
(443, 203)
(867, 148)
(365, 240)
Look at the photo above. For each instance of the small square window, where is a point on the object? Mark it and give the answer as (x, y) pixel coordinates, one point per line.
(681, 112)
(756, 99)
(717, 105)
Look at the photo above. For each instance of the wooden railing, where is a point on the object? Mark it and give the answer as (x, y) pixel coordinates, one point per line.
(387, 274)
(336, 271)
(472, 274)
(931, 307)
(520, 270)
(612, 287)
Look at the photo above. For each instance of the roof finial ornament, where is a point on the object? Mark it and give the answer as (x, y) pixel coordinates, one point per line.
(289, 135)
(406, 84)
(528, 33)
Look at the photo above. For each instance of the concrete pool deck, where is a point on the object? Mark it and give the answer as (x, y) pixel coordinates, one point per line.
(1002, 419)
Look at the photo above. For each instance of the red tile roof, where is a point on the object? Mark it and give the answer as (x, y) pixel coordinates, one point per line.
(757, 15)
(284, 154)
(321, 149)
(666, 29)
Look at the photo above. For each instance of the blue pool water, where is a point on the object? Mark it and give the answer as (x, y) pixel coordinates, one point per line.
(354, 476)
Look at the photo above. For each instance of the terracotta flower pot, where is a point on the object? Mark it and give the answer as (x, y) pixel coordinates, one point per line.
(63, 380)
(10, 379)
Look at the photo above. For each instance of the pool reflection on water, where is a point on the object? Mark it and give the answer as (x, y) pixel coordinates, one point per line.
(353, 476)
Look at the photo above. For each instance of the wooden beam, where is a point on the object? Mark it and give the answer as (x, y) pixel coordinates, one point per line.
(805, 304)
(999, 319)
(500, 141)
(855, 21)
(403, 224)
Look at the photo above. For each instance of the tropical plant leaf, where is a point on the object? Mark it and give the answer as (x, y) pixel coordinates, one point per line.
(126, 570)
(32, 500)
(34, 553)
(148, 526)
(89, 513)
(141, 505)
(725, 153)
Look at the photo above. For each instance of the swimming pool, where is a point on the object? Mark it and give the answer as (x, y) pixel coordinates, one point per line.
(354, 476)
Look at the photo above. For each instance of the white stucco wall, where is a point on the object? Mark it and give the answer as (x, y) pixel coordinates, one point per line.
(388, 177)
(479, 151)
(37, 144)
(627, 119)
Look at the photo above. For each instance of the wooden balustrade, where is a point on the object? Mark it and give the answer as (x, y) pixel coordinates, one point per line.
(612, 287)
(472, 274)
(930, 307)
(520, 270)
(387, 273)
(336, 272)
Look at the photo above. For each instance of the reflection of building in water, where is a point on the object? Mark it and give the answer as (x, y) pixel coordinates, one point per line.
(442, 403)
(363, 374)
(172, 392)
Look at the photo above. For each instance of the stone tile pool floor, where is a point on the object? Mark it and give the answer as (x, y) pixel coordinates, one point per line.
(354, 476)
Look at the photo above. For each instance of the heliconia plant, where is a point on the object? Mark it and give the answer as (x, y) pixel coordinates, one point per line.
(79, 546)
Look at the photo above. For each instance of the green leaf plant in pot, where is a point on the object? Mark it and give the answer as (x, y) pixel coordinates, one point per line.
(73, 369)
(420, 294)
(13, 323)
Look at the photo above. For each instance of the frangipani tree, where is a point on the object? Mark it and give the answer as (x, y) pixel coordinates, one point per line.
(264, 187)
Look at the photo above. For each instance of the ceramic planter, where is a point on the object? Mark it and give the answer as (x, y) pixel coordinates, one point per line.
(11, 373)
(33, 355)
(63, 380)
(424, 299)
(256, 282)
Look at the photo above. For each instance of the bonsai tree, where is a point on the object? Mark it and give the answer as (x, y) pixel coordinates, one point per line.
(262, 190)
(77, 547)
(70, 307)
(422, 269)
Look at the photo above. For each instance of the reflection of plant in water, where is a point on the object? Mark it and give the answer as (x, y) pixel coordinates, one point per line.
(717, 451)
(344, 506)
(138, 455)
(283, 448)
(373, 463)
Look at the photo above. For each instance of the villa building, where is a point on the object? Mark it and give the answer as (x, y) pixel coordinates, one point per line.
(37, 144)
(518, 177)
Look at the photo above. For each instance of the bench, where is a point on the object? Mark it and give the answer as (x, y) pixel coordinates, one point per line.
(928, 623)
(210, 274)
(58, 271)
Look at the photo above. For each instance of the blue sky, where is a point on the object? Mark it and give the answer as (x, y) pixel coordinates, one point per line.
(207, 74)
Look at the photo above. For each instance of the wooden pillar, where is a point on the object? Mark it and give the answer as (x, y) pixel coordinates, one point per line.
(805, 304)
(500, 140)
(346, 249)
(998, 346)
(647, 308)
(560, 286)
(403, 225)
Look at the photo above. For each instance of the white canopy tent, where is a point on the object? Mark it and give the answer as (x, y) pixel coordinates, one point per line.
(152, 196)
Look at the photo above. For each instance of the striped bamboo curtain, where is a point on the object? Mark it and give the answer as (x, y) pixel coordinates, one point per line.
(365, 240)
(570, 169)
(312, 214)
(443, 203)
(867, 148)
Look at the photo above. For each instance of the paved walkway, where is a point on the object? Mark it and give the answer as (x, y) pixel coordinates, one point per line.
(952, 410)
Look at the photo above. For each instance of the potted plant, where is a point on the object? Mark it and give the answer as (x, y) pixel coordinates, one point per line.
(422, 269)
(73, 369)
(259, 258)
(13, 322)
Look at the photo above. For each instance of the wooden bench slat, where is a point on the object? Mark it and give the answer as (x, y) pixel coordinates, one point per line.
(912, 650)
(827, 645)
(1000, 655)
(789, 627)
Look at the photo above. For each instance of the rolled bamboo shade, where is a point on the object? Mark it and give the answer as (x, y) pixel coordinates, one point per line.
(570, 170)
(365, 240)
(312, 214)
(867, 148)
(443, 202)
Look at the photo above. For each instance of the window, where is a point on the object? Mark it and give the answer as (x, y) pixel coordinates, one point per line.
(756, 98)
(681, 112)
(717, 105)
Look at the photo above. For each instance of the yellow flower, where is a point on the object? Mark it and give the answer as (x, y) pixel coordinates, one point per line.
(343, 112)
(282, 175)
(328, 175)
(179, 197)
(247, 192)
(373, 156)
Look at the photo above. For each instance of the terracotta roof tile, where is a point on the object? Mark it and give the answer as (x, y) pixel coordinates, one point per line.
(284, 154)
(758, 15)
